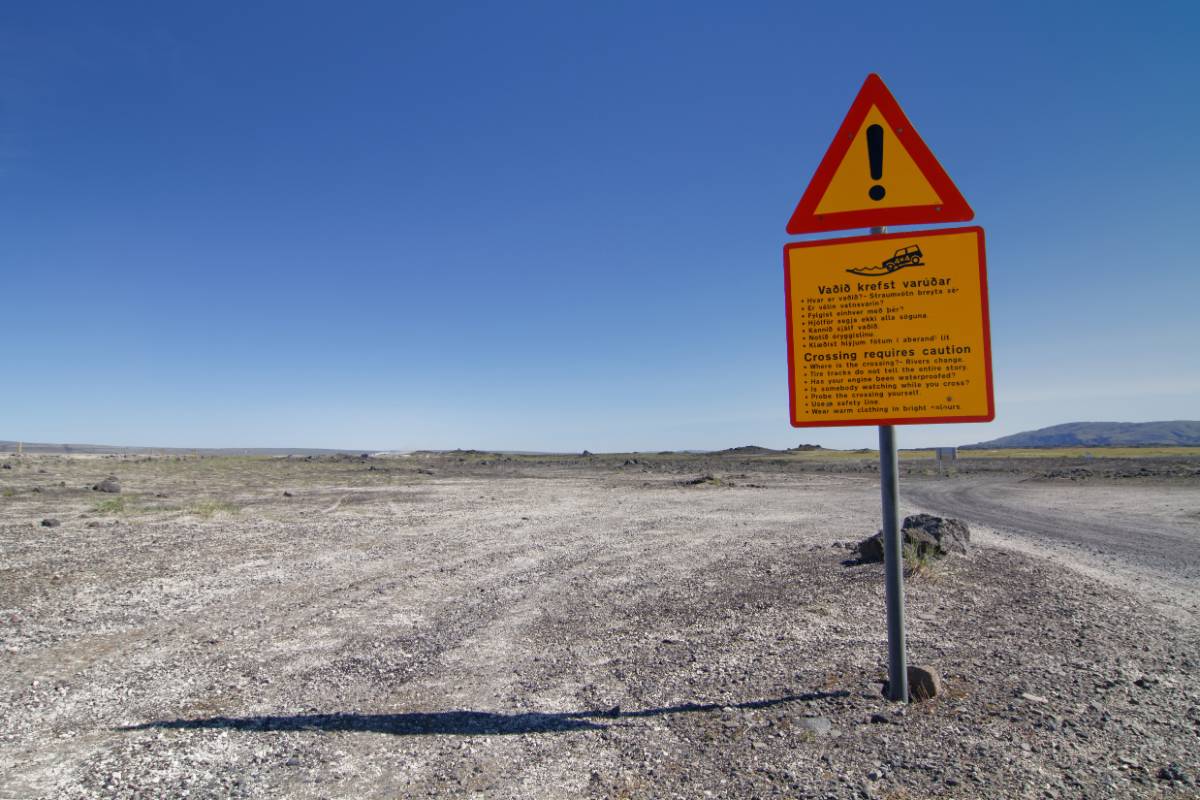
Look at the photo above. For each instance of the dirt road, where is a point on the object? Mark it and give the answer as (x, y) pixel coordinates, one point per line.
(1140, 535)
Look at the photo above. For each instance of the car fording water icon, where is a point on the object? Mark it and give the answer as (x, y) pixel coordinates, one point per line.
(909, 256)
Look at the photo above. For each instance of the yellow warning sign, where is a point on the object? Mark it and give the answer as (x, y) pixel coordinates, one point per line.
(877, 172)
(889, 329)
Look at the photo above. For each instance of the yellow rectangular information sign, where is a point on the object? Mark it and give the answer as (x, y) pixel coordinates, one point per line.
(889, 329)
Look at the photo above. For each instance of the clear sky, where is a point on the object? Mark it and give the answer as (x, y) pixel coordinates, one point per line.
(557, 226)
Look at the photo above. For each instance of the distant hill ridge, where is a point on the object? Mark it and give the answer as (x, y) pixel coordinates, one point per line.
(1101, 434)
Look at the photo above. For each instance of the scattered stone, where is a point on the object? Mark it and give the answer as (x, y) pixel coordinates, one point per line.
(50, 522)
(1033, 698)
(880, 719)
(110, 485)
(928, 535)
(703, 479)
(1172, 773)
(924, 683)
(815, 725)
(288, 494)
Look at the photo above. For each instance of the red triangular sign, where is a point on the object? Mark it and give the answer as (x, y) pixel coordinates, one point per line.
(878, 171)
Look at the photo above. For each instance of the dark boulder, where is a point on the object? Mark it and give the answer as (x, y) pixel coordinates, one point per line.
(109, 484)
(924, 535)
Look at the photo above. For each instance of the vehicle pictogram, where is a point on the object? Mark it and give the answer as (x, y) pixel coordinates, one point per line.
(909, 256)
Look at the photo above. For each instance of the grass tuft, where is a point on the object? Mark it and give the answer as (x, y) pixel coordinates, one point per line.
(921, 564)
(208, 508)
(113, 505)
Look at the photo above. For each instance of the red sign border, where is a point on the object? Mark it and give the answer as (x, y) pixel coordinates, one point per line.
(954, 207)
(987, 331)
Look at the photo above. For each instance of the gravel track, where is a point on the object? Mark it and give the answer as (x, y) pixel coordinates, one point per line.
(1141, 537)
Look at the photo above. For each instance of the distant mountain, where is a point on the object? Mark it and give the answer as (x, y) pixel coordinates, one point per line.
(1101, 434)
(748, 450)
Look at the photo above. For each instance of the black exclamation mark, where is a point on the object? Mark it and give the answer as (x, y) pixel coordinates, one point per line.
(875, 154)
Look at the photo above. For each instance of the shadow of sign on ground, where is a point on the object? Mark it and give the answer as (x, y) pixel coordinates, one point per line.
(462, 723)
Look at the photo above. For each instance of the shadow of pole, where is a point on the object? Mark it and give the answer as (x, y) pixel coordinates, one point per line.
(459, 723)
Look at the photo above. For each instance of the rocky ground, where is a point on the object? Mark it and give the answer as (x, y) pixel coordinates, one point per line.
(479, 625)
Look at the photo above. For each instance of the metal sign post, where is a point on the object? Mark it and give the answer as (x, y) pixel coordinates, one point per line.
(893, 563)
(893, 557)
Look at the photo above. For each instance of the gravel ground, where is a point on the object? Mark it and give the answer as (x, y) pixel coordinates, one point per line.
(481, 626)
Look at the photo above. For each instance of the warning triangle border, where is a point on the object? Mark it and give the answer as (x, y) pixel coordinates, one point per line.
(953, 208)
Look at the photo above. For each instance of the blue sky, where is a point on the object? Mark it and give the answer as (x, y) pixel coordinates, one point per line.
(558, 226)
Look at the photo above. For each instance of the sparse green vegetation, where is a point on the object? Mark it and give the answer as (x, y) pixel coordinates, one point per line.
(113, 505)
(1082, 452)
(208, 508)
(921, 563)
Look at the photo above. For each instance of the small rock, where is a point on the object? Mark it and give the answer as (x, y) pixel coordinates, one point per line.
(1033, 698)
(1172, 773)
(613, 712)
(110, 485)
(874, 775)
(880, 719)
(50, 522)
(815, 725)
(924, 682)
(288, 494)
(7, 465)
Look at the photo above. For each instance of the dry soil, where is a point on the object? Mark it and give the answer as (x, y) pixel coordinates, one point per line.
(474, 625)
